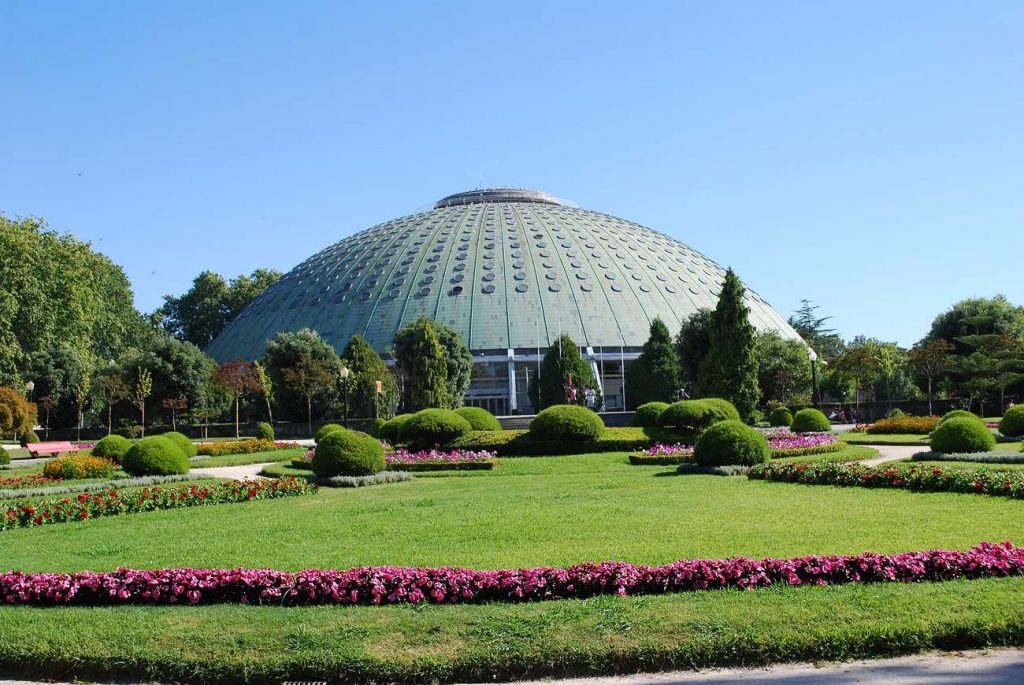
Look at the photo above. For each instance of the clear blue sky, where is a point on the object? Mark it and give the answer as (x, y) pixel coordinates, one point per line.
(867, 155)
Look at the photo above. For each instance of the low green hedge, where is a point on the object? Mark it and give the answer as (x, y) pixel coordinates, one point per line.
(449, 466)
(659, 459)
(300, 463)
(519, 443)
(808, 451)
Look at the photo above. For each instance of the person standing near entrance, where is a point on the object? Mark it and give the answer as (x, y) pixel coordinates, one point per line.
(591, 396)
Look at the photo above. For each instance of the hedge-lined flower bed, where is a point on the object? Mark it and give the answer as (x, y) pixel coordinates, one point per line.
(35, 480)
(919, 478)
(113, 502)
(252, 446)
(993, 457)
(388, 585)
(663, 455)
(441, 460)
(808, 451)
(904, 425)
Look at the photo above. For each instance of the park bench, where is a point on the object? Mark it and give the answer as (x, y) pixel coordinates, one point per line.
(38, 449)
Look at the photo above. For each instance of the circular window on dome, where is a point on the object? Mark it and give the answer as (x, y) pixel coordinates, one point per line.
(636, 277)
(554, 287)
(488, 265)
(461, 256)
(551, 275)
(645, 288)
(538, 236)
(520, 276)
(488, 255)
(586, 287)
(616, 288)
(522, 288)
(433, 258)
(364, 297)
(373, 282)
(515, 245)
(603, 265)
(670, 288)
(458, 278)
(463, 248)
(629, 265)
(575, 264)
(488, 277)
(694, 290)
(518, 265)
(488, 289)
(404, 270)
(399, 281)
(457, 290)
(489, 246)
(395, 293)
(544, 253)
(662, 277)
(517, 254)
(548, 265)
(610, 276)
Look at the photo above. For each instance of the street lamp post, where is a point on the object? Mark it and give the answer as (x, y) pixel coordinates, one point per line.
(344, 381)
(814, 378)
(29, 387)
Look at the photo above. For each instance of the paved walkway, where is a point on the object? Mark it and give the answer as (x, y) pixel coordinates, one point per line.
(244, 472)
(892, 453)
(990, 667)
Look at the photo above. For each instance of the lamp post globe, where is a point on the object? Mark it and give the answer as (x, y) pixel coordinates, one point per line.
(344, 381)
(29, 388)
(815, 400)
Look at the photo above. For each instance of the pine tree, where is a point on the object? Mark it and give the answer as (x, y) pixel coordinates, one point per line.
(563, 365)
(367, 367)
(422, 359)
(730, 368)
(654, 376)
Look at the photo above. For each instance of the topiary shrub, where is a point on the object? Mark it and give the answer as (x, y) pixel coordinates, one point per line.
(112, 447)
(695, 415)
(29, 438)
(392, 429)
(810, 421)
(731, 442)
(724, 408)
(375, 426)
(647, 415)
(327, 430)
(155, 456)
(959, 414)
(780, 416)
(896, 414)
(962, 434)
(567, 422)
(348, 453)
(78, 465)
(264, 431)
(183, 443)
(480, 419)
(433, 427)
(5, 457)
(1012, 424)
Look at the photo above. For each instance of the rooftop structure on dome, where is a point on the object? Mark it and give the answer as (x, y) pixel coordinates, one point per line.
(510, 269)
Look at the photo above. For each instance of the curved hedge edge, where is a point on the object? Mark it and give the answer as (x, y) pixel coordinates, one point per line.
(659, 459)
(995, 457)
(809, 451)
(379, 478)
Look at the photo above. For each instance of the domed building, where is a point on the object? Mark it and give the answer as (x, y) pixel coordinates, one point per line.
(510, 270)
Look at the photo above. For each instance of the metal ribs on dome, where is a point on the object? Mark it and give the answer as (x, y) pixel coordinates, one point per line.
(508, 269)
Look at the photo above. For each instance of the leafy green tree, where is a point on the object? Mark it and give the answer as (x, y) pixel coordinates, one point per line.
(859, 363)
(837, 383)
(283, 352)
(367, 367)
(238, 378)
(177, 369)
(458, 363)
(692, 344)
(140, 392)
(977, 316)
(57, 372)
(929, 359)
(423, 361)
(784, 368)
(204, 310)
(309, 376)
(563, 366)
(266, 390)
(654, 375)
(58, 292)
(811, 327)
(111, 388)
(729, 370)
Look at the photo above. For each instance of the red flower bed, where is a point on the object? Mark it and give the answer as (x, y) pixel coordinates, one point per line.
(113, 502)
(35, 480)
(386, 585)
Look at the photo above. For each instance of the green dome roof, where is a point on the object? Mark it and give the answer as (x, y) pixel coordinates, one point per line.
(507, 268)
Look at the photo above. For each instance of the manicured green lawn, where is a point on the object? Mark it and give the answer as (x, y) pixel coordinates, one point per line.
(851, 453)
(970, 465)
(873, 439)
(527, 512)
(254, 458)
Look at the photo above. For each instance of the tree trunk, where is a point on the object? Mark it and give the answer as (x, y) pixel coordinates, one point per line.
(142, 409)
(236, 417)
(930, 412)
(110, 412)
(270, 413)
(309, 414)
(78, 424)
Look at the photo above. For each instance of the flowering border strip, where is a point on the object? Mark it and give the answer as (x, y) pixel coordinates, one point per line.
(127, 482)
(808, 451)
(660, 459)
(918, 478)
(388, 585)
(113, 502)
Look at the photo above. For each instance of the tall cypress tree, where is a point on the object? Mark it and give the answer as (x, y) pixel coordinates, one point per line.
(367, 368)
(562, 363)
(730, 368)
(654, 376)
(423, 361)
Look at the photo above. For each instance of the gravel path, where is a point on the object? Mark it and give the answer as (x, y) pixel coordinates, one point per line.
(244, 472)
(989, 667)
(892, 453)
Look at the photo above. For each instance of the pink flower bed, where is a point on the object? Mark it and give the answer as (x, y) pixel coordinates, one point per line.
(676, 450)
(387, 585)
(779, 440)
(403, 456)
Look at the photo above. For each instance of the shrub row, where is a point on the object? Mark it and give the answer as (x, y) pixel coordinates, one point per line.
(919, 478)
(249, 446)
(347, 453)
(906, 425)
(659, 459)
(697, 416)
(75, 488)
(78, 465)
(379, 478)
(780, 416)
(993, 457)
(789, 453)
(113, 502)
(520, 443)
(388, 585)
(34, 480)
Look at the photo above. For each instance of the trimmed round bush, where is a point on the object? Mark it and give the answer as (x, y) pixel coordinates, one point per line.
(780, 417)
(810, 421)
(1012, 424)
(391, 430)
(695, 415)
(731, 442)
(479, 418)
(433, 428)
(327, 430)
(959, 414)
(5, 457)
(647, 415)
(112, 447)
(348, 453)
(567, 422)
(264, 431)
(155, 456)
(183, 443)
(375, 426)
(962, 434)
(724, 408)
(896, 414)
